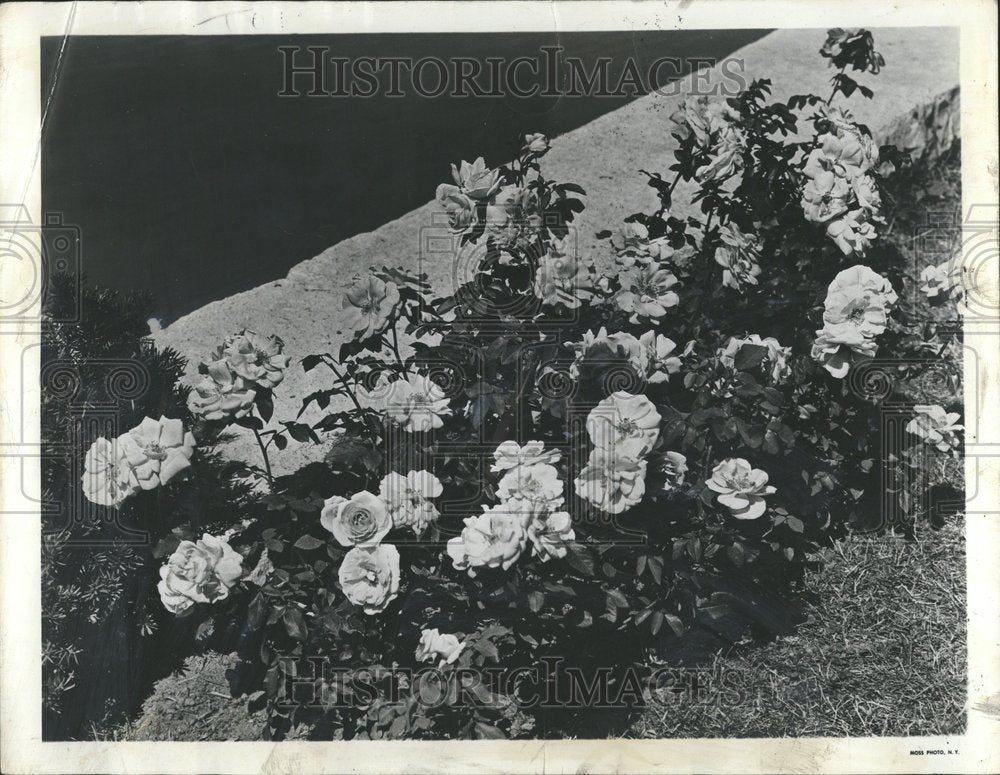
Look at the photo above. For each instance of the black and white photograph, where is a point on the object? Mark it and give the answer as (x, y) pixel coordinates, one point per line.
(583, 378)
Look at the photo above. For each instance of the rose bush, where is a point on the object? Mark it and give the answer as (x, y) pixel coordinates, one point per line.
(604, 469)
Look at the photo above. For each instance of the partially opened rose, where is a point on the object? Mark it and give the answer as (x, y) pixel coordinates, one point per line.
(368, 305)
(369, 576)
(157, 450)
(940, 282)
(460, 209)
(199, 572)
(659, 357)
(741, 487)
(476, 180)
(739, 256)
(674, 469)
(108, 479)
(361, 520)
(536, 143)
(433, 645)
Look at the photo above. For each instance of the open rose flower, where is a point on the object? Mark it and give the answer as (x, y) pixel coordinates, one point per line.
(369, 304)
(460, 209)
(539, 485)
(674, 469)
(775, 363)
(741, 487)
(861, 297)
(510, 455)
(660, 363)
(940, 282)
(936, 427)
(549, 533)
(369, 576)
(493, 539)
(362, 519)
(738, 255)
(838, 346)
(199, 572)
(476, 180)
(622, 418)
(435, 646)
(157, 450)
(415, 403)
(614, 481)
(825, 195)
(647, 293)
(221, 394)
(107, 478)
(256, 358)
(409, 498)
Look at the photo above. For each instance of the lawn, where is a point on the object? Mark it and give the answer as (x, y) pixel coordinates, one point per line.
(883, 654)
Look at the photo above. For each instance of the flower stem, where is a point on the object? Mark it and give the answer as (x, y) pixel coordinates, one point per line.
(263, 452)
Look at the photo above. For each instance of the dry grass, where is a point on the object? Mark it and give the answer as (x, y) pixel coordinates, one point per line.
(883, 654)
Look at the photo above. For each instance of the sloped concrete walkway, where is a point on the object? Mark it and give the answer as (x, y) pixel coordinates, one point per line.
(604, 156)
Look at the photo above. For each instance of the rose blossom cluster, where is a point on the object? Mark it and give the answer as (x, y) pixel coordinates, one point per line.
(529, 513)
(509, 214)
(856, 310)
(369, 572)
(716, 132)
(243, 364)
(151, 454)
(623, 429)
(199, 572)
(840, 192)
(937, 428)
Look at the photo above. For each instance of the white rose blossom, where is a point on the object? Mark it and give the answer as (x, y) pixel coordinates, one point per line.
(659, 361)
(434, 645)
(415, 403)
(221, 394)
(157, 450)
(562, 279)
(369, 576)
(941, 282)
(647, 293)
(363, 519)
(368, 305)
(108, 479)
(613, 480)
(256, 358)
(538, 486)
(623, 418)
(199, 572)
(936, 427)
(493, 539)
(741, 488)
(409, 499)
